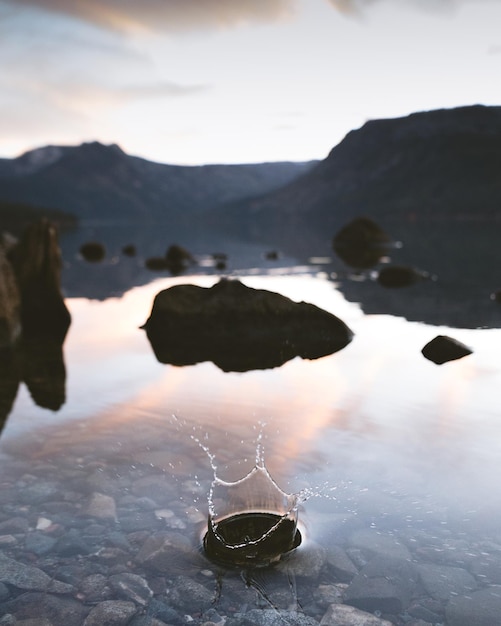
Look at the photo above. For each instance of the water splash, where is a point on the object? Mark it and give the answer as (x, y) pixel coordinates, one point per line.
(252, 522)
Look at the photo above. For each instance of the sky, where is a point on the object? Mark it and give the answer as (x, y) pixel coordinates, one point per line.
(235, 81)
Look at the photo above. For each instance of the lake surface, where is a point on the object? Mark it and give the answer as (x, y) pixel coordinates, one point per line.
(402, 458)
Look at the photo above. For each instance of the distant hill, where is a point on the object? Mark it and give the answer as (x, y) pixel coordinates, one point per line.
(436, 165)
(101, 181)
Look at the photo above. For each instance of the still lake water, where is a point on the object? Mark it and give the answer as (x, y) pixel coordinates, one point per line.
(403, 455)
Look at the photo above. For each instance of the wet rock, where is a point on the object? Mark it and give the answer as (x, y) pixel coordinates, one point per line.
(72, 544)
(487, 568)
(304, 563)
(164, 613)
(55, 609)
(377, 543)
(94, 588)
(14, 526)
(396, 276)
(28, 577)
(178, 259)
(129, 250)
(344, 615)
(239, 328)
(271, 617)
(325, 595)
(340, 564)
(420, 611)
(166, 552)
(39, 543)
(442, 582)
(111, 613)
(443, 349)
(131, 587)
(385, 584)
(101, 506)
(481, 608)
(361, 243)
(10, 303)
(187, 595)
(37, 266)
(93, 251)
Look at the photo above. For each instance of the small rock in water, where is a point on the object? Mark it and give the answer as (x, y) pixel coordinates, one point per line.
(344, 615)
(111, 613)
(28, 577)
(443, 582)
(481, 608)
(132, 587)
(101, 506)
(443, 349)
(271, 617)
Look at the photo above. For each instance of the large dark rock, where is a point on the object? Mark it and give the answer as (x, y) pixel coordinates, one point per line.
(37, 265)
(10, 303)
(33, 319)
(239, 328)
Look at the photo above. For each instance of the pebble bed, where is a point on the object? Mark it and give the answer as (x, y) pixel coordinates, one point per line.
(86, 542)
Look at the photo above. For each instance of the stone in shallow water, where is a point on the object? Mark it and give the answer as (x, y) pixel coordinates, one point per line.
(442, 582)
(344, 615)
(186, 595)
(29, 577)
(271, 617)
(101, 506)
(43, 605)
(132, 587)
(111, 613)
(385, 584)
(480, 608)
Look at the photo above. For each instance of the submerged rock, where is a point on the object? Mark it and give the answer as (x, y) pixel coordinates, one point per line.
(443, 349)
(239, 328)
(361, 243)
(395, 276)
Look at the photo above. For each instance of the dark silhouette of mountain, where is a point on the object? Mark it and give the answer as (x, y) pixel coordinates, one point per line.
(96, 181)
(436, 165)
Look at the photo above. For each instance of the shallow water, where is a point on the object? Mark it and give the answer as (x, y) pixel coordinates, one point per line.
(404, 456)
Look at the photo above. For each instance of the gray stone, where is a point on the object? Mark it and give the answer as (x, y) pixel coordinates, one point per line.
(29, 577)
(271, 617)
(169, 552)
(304, 563)
(43, 605)
(480, 608)
(344, 615)
(487, 569)
(340, 563)
(4, 592)
(111, 613)
(384, 584)
(94, 588)
(164, 613)
(187, 595)
(39, 543)
(375, 542)
(72, 544)
(101, 506)
(14, 526)
(132, 587)
(441, 581)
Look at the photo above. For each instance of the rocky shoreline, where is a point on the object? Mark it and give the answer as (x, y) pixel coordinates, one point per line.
(85, 541)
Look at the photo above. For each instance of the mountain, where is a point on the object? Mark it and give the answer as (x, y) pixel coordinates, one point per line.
(96, 181)
(435, 165)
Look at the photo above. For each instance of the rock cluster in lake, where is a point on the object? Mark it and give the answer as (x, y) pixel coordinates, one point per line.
(239, 328)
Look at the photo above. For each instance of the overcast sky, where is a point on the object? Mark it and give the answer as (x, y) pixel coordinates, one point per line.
(235, 81)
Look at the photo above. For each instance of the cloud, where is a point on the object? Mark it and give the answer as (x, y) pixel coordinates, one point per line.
(164, 15)
(355, 7)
